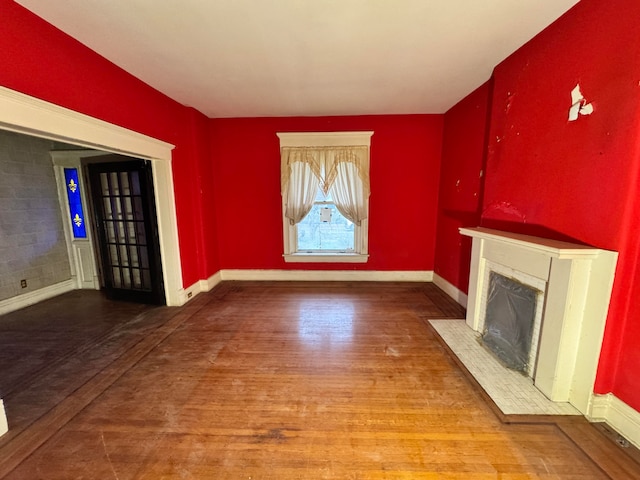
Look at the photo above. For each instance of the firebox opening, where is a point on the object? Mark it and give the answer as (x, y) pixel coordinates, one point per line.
(509, 321)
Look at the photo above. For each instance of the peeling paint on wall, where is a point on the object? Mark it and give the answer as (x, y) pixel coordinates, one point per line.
(505, 208)
(579, 105)
(509, 102)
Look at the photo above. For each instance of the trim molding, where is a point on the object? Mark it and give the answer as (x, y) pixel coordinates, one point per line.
(451, 290)
(303, 275)
(329, 275)
(211, 282)
(325, 258)
(28, 115)
(200, 286)
(25, 114)
(26, 299)
(620, 416)
(324, 139)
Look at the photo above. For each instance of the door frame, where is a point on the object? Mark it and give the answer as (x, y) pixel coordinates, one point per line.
(31, 116)
(82, 252)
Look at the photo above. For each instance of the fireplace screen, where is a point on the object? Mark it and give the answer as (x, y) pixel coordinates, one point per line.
(510, 314)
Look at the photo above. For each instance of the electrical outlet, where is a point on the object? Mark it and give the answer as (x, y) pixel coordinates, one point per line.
(23, 283)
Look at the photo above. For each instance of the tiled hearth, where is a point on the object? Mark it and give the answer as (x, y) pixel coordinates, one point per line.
(511, 391)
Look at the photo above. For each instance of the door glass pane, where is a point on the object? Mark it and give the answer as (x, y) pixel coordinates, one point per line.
(116, 279)
(106, 204)
(126, 278)
(124, 255)
(134, 178)
(137, 278)
(76, 209)
(114, 184)
(124, 183)
(128, 208)
(133, 256)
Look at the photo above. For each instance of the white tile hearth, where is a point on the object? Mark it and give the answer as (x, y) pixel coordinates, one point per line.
(512, 392)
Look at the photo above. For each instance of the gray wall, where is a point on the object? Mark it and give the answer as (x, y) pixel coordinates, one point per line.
(32, 243)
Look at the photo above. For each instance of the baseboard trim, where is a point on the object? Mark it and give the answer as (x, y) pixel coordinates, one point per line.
(200, 286)
(31, 298)
(303, 275)
(621, 417)
(211, 282)
(328, 275)
(450, 290)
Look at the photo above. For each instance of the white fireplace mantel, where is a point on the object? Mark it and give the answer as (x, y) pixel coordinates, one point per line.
(577, 283)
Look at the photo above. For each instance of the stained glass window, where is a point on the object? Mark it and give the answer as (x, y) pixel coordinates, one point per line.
(75, 203)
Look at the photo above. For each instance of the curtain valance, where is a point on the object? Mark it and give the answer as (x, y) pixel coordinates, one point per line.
(324, 161)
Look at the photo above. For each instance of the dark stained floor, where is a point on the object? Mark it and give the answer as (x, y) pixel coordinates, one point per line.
(39, 338)
(266, 380)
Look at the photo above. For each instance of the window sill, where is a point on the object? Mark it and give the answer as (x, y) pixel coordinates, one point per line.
(325, 258)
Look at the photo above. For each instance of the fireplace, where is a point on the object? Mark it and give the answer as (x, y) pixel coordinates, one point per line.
(572, 285)
(510, 319)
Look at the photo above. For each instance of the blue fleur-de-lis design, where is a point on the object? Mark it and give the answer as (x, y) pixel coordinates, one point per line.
(77, 220)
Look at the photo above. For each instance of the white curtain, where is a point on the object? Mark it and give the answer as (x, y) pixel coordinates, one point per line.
(344, 171)
(300, 179)
(347, 180)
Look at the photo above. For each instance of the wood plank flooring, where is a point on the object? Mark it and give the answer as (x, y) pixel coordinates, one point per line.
(266, 380)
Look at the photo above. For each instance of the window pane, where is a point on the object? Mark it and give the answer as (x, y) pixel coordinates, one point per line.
(75, 203)
(335, 235)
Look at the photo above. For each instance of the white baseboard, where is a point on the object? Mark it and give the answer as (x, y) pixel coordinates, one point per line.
(200, 286)
(303, 275)
(16, 303)
(4, 426)
(617, 414)
(210, 282)
(450, 290)
(328, 275)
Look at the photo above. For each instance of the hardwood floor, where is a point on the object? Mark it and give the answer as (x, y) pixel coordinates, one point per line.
(265, 380)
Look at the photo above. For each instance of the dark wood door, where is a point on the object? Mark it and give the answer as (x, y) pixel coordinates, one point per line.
(123, 202)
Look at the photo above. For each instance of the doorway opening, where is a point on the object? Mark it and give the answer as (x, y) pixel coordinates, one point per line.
(23, 114)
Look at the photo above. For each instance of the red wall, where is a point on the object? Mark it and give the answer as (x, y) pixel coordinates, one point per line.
(41, 61)
(405, 162)
(461, 181)
(576, 180)
(543, 175)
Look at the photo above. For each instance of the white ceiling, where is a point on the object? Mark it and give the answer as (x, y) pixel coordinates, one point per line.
(255, 58)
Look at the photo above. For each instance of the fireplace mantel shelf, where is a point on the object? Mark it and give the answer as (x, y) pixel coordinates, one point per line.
(549, 247)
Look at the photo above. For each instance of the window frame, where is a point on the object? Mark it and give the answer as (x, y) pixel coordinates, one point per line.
(360, 252)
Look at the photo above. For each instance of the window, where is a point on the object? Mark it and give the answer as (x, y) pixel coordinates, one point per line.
(325, 196)
(325, 229)
(75, 203)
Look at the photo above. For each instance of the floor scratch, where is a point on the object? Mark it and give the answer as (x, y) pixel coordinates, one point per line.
(104, 445)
